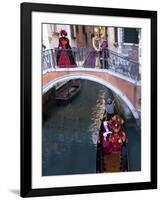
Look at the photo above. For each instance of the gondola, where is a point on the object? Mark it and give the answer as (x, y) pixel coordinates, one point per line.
(68, 91)
(111, 161)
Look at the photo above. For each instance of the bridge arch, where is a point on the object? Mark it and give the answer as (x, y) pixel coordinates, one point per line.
(95, 79)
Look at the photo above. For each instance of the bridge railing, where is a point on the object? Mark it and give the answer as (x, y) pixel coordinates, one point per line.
(48, 59)
(90, 58)
(124, 65)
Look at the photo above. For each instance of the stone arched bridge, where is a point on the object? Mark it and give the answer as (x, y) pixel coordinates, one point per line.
(128, 90)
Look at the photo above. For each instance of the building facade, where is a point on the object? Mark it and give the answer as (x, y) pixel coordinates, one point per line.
(51, 34)
(125, 41)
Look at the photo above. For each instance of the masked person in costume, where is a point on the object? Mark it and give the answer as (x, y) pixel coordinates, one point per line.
(104, 55)
(65, 58)
(118, 136)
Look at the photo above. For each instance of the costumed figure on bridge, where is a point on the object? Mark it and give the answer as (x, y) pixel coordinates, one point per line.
(104, 54)
(93, 56)
(65, 57)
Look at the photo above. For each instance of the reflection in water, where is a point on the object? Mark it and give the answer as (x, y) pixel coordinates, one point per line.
(70, 133)
(97, 112)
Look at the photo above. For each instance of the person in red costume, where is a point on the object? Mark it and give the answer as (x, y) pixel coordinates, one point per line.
(65, 57)
(104, 136)
(118, 136)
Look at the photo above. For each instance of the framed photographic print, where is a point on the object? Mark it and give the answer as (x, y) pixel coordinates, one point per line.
(88, 99)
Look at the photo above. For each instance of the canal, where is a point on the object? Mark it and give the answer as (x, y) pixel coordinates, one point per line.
(69, 134)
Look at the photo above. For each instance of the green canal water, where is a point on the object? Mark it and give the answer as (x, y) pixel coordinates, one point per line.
(70, 132)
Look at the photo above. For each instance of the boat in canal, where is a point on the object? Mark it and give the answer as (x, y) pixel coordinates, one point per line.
(68, 91)
(112, 153)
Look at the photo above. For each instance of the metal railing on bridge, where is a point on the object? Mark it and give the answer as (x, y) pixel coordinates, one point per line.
(90, 58)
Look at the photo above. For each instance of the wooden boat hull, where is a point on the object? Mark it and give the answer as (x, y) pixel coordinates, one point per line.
(112, 162)
(68, 92)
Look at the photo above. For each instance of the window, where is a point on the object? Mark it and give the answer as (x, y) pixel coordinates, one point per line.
(131, 35)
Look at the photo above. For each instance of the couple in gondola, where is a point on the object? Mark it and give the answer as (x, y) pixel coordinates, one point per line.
(112, 134)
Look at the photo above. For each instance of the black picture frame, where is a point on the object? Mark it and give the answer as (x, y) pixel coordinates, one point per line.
(26, 104)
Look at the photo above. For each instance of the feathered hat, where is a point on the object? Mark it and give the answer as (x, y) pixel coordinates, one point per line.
(63, 32)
